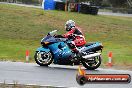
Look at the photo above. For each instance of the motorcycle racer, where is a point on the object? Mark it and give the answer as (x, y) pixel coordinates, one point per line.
(74, 33)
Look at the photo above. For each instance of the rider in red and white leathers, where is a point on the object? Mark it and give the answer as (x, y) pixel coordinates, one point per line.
(79, 39)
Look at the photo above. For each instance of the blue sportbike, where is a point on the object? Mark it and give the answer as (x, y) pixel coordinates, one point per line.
(57, 49)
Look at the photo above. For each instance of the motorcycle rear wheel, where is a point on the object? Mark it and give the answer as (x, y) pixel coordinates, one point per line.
(90, 66)
(43, 58)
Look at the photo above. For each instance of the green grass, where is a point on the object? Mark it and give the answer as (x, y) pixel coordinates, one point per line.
(22, 28)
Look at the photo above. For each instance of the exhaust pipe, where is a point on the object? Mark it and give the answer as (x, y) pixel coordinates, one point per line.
(91, 55)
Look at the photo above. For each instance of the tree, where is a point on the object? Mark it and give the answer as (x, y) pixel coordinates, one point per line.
(118, 3)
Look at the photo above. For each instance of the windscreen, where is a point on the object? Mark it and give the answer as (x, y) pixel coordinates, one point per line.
(52, 33)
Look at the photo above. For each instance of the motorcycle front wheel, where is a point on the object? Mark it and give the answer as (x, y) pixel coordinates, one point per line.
(92, 63)
(43, 58)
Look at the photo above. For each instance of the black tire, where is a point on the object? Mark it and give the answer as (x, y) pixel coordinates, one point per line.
(86, 65)
(40, 62)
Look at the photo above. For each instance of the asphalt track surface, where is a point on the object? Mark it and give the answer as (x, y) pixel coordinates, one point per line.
(54, 75)
(115, 14)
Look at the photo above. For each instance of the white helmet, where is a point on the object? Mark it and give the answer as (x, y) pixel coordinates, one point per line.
(69, 24)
